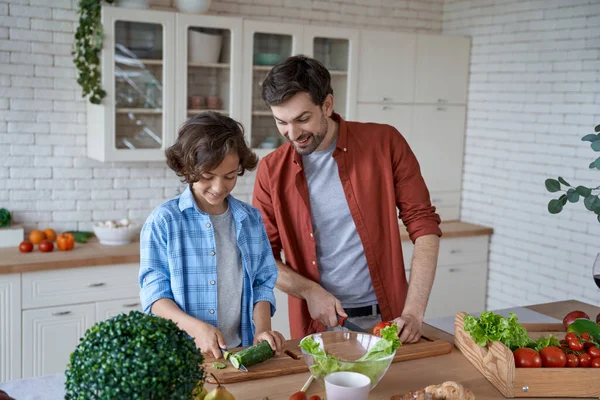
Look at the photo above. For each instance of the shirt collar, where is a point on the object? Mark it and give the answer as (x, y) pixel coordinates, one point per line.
(186, 200)
(341, 141)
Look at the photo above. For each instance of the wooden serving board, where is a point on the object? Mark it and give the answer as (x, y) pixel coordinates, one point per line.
(497, 363)
(292, 361)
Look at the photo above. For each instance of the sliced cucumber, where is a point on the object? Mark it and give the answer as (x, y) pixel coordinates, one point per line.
(219, 365)
(252, 355)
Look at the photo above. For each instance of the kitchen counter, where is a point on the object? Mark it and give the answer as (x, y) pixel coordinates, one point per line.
(93, 253)
(400, 378)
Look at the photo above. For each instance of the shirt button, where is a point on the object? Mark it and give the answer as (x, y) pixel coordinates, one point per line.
(311, 235)
(314, 263)
(208, 225)
(212, 253)
(212, 282)
(212, 311)
(345, 149)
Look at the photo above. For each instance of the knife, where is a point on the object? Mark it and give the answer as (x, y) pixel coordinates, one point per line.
(226, 355)
(343, 321)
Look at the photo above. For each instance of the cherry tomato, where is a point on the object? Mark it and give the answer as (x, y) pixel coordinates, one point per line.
(572, 361)
(585, 360)
(379, 327)
(26, 247)
(315, 397)
(527, 358)
(46, 246)
(298, 396)
(575, 345)
(570, 336)
(585, 336)
(594, 352)
(553, 357)
(596, 363)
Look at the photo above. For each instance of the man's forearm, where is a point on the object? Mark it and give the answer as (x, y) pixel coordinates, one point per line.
(422, 274)
(292, 283)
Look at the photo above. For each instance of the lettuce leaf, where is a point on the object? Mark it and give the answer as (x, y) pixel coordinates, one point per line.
(387, 345)
(494, 327)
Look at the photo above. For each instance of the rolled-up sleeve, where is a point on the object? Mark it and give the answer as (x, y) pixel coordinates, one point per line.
(266, 275)
(412, 194)
(154, 276)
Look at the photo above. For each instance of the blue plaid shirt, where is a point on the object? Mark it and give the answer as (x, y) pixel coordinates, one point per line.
(177, 260)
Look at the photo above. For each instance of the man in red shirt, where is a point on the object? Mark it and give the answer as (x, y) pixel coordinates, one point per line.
(329, 199)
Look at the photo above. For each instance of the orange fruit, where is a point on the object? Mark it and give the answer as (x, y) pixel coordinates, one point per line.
(36, 236)
(50, 234)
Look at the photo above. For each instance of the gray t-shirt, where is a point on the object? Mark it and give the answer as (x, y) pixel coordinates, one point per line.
(229, 279)
(340, 252)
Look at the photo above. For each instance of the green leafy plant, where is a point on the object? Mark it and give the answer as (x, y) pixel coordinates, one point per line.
(5, 218)
(135, 356)
(573, 194)
(87, 47)
(496, 328)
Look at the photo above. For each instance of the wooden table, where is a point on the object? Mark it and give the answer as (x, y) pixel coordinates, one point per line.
(408, 375)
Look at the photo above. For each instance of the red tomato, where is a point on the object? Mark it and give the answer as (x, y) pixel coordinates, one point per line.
(596, 363)
(553, 357)
(594, 352)
(575, 345)
(314, 398)
(572, 316)
(26, 247)
(572, 361)
(585, 336)
(298, 396)
(585, 360)
(571, 336)
(46, 246)
(527, 358)
(377, 328)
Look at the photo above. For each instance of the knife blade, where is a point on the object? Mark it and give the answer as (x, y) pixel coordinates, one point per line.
(227, 354)
(343, 321)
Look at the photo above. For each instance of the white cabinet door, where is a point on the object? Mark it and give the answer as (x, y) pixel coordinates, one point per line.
(109, 309)
(10, 327)
(442, 69)
(398, 116)
(386, 67)
(50, 335)
(438, 141)
(281, 321)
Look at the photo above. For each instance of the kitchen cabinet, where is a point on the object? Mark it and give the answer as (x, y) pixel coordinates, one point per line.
(10, 327)
(400, 116)
(108, 309)
(442, 69)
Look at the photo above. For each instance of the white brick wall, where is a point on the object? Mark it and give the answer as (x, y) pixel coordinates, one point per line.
(45, 178)
(534, 91)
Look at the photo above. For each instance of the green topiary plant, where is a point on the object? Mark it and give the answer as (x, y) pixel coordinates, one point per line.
(573, 194)
(135, 356)
(5, 218)
(87, 47)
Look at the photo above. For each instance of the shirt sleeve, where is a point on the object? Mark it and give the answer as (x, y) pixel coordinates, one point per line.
(266, 276)
(154, 276)
(412, 194)
(262, 200)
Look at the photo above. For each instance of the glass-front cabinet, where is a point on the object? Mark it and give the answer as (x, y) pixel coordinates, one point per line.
(134, 122)
(209, 66)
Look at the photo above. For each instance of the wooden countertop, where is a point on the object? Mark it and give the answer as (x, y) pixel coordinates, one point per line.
(407, 375)
(93, 253)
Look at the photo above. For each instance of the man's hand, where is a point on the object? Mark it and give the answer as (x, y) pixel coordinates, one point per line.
(409, 328)
(274, 338)
(324, 307)
(208, 339)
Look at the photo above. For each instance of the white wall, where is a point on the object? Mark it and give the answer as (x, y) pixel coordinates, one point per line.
(45, 178)
(534, 91)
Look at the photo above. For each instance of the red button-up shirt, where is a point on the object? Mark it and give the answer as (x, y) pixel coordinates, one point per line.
(379, 175)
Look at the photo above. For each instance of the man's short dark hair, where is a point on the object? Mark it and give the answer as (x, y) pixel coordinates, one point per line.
(294, 75)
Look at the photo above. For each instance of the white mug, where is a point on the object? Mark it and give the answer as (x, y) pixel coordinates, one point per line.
(345, 385)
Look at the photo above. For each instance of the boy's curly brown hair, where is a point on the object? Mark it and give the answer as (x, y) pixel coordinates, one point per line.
(202, 144)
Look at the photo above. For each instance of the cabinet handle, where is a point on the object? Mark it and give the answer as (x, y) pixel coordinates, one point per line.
(386, 107)
(59, 313)
(442, 101)
(384, 99)
(454, 269)
(453, 251)
(131, 305)
(96, 284)
(442, 108)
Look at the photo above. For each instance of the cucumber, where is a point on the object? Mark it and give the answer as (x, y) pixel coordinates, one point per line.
(582, 325)
(219, 365)
(252, 355)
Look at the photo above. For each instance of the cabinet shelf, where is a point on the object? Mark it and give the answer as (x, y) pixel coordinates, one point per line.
(198, 111)
(139, 110)
(208, 65)
(262, 113)
(148, 61)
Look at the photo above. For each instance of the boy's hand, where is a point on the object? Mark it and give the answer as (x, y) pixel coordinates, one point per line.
(208, 339)
(275, 339)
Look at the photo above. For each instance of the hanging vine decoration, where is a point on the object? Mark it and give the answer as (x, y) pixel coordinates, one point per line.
(87, 47)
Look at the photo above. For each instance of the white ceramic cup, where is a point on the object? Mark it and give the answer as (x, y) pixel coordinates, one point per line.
(345, 385)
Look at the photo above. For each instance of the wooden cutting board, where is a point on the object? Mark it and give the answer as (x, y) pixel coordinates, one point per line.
(292, 362)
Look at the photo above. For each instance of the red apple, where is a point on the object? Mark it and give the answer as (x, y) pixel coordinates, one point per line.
(572, 316)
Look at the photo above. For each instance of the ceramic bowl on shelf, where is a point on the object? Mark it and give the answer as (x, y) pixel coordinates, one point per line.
(266, 58)
(116, 233)
(193, 6)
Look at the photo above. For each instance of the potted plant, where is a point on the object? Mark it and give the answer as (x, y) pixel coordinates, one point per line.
(573, 194)
(135, 356)
(10, 234)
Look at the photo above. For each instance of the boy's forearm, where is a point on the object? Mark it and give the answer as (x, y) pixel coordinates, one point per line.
(262, 316)
(166, 308)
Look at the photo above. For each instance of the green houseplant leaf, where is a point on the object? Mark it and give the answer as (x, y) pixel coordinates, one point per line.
(555, 206)
(572, 196)
(5, 218)
(552, 185)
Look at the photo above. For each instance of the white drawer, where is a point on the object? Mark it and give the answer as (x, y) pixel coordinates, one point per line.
(79, 285)
(109, 309)
(454, 251)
